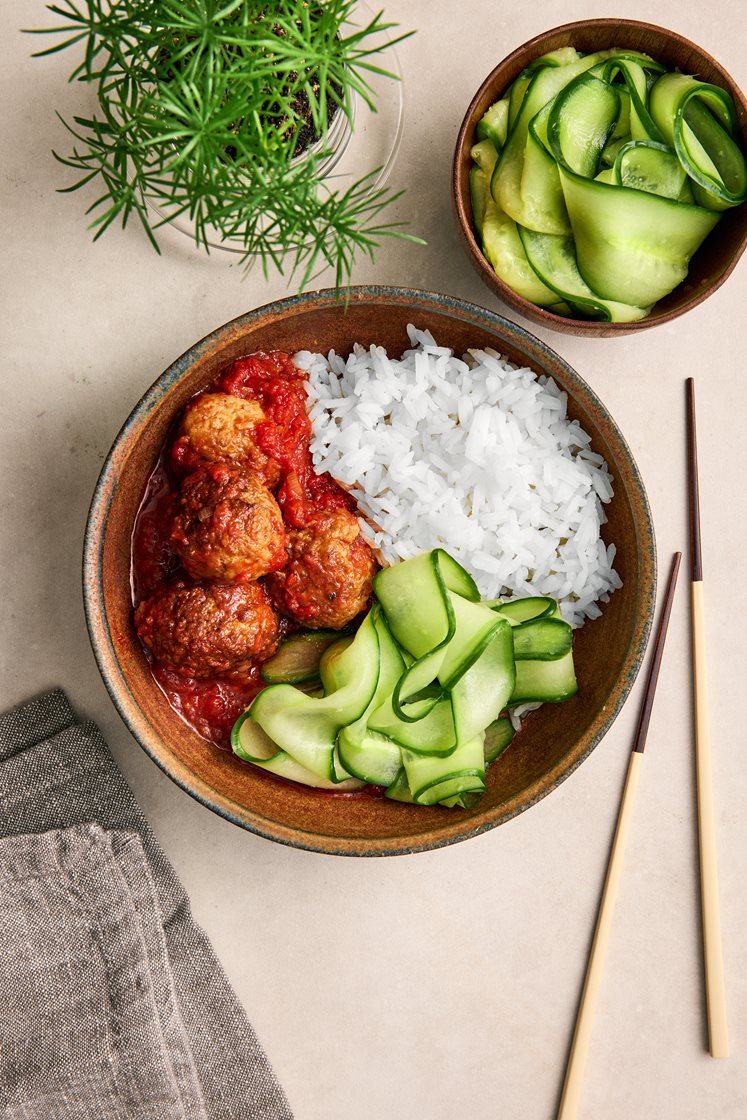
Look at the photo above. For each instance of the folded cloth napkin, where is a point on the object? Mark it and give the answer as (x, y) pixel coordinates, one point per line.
(112, 1003)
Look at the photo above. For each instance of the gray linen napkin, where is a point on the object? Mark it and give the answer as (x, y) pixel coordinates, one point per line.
(112, 1003)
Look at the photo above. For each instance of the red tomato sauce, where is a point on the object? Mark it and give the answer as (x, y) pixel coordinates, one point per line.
(211, 707)
(278, 385)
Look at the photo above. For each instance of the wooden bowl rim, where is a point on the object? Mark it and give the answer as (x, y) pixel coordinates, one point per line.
(104, 643)
(540, 315)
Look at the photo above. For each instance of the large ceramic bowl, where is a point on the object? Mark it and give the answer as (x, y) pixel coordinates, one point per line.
(554, 740)
(718, 255)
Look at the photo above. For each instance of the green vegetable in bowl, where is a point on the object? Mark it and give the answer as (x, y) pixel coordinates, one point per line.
(415, 702)
(297, 661)
(596, 177)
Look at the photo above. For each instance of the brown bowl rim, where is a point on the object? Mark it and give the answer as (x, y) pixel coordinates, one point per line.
(540, 315)
(104, 643)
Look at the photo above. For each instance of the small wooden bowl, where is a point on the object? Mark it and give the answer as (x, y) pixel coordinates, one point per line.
(554, 740)
(718, 255)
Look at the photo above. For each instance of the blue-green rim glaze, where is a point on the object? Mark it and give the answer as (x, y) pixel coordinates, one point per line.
(101, 637)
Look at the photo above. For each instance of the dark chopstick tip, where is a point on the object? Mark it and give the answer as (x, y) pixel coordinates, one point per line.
(653, 672)
(696, 556)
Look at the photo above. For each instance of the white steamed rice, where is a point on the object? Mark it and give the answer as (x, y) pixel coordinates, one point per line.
(471, 455)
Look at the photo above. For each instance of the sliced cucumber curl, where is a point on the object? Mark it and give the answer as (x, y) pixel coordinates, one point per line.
(416, 701)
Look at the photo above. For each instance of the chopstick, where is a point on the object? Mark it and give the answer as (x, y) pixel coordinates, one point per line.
(581, 1037)
(718, 1035)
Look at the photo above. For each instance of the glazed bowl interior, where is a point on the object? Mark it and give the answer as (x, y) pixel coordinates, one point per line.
(716, 258)
(553, 741)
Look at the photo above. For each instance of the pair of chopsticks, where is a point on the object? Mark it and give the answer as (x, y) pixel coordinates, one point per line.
(714, 971)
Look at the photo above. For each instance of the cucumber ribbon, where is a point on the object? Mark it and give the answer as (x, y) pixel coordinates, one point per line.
(597, 177)
(415, 701)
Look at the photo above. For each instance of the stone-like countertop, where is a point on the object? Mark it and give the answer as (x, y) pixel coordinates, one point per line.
(441, 985)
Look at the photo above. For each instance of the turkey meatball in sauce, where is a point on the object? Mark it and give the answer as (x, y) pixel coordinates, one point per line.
(239, 542)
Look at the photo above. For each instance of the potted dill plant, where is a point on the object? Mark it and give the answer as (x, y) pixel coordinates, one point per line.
(224, 112)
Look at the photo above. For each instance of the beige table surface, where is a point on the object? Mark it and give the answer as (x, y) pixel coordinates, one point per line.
(442, 985)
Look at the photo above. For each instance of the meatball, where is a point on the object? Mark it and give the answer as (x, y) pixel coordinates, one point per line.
(209, 629)
(227, 526)
(327, 580)
(218, 426)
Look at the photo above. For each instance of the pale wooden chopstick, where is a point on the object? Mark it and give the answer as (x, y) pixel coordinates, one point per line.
(581, 1037)
(718, 1034)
